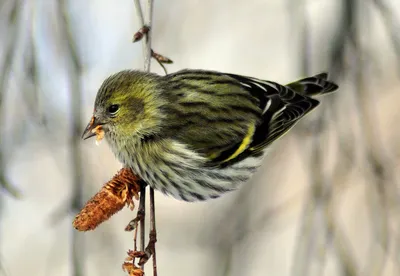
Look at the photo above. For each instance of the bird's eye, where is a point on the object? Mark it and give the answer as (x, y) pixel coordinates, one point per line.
(113, 109)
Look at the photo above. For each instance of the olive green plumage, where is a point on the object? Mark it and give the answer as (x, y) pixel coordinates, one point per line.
(196, 134)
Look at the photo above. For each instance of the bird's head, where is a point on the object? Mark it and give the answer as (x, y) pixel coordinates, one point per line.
(128, 106)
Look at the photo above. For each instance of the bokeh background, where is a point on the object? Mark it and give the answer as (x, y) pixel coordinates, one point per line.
(326, 200)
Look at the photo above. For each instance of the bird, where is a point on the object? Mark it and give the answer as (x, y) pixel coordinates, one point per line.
(198, 134)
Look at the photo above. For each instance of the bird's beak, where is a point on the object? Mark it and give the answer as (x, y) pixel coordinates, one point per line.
(92, 129)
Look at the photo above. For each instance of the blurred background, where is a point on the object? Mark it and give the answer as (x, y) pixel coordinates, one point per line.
(326, 200)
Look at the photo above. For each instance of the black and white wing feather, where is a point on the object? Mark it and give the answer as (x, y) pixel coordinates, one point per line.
(283, 106)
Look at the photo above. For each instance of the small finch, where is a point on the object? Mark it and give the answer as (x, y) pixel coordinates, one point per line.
(197, 134)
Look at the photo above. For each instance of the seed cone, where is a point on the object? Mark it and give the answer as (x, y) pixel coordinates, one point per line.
(112, 197)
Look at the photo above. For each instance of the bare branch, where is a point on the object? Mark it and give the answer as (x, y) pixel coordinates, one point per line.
(74, 72)
(147, 42)
(146, 26)
(153, 230)
(5, 70)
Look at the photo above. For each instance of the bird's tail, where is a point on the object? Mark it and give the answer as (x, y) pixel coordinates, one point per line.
(315, 85)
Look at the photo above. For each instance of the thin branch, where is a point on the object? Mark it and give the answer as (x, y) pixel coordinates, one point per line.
(147, 41)
(5, 70)
(147, 48)
(74, 72)
(140, 14)
(392, 26)
(146, 25)
(144, 31)
(140, 34)
(142, 206)
(306, 242)
(306, 41)
(377, 158)
(161, 60)
(153, 230)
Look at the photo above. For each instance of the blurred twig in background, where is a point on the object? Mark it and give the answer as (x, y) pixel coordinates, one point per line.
(392, 25)
(348, 58)
(321, 236)
(10, 27)
(306, 242)
(349, 125)
(74, 72)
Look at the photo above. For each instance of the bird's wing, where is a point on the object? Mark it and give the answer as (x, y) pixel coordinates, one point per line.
(282, 108)
(229, 117)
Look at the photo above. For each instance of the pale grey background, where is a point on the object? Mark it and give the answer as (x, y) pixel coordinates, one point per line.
(273, 225)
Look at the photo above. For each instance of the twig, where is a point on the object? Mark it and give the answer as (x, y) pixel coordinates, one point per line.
(75, 69)
(140, 14)
(144, 31)
(135, 239)
(306, 242)
(147, 41)
(153, 230)
(142, 206)
(375, 160)
(5, 71)
(392, 25)
(148, 53)
(306, 41)
(140, 34)
(158, 57)
(378, 160)
(147, 48)
(161, 60)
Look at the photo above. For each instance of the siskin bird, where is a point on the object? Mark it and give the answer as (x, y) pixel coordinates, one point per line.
(197, 134)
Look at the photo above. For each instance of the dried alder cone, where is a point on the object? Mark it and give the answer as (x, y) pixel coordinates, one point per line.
(112, 197)
(131, 268)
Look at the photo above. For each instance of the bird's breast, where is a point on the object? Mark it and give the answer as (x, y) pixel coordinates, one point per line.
(177, 171)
